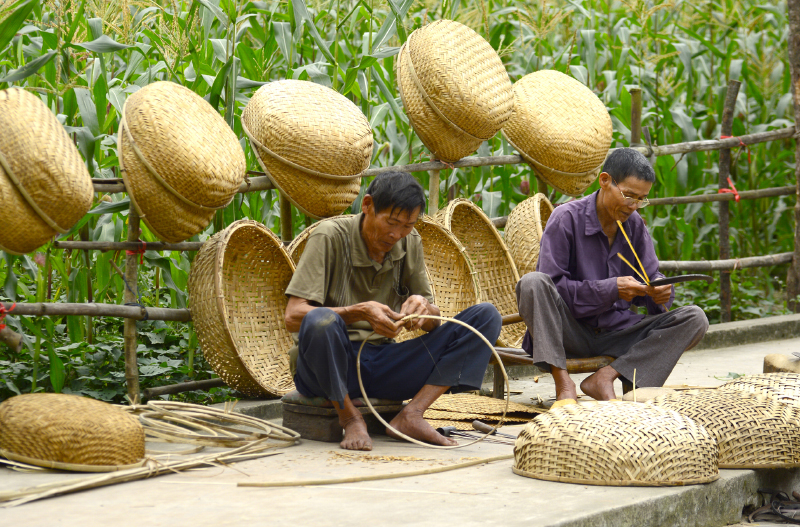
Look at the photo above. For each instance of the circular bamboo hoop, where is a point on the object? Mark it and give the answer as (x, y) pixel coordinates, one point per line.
(783, 387)
(70, 433)
(753, 431)
(616, 444)
(179, 159)
(496, 273)
(44, 185)
(524, 230)
(236, 287)
(311, 141)
(561, 128)
(454, 88)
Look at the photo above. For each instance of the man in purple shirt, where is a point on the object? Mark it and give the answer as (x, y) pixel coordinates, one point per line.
(578, 302)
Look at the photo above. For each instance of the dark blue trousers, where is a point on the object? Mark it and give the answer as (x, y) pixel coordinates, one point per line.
(450, 355)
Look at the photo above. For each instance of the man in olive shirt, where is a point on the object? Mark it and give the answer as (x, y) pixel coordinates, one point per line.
(357, 278)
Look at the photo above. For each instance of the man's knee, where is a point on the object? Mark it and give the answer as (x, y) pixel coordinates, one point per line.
(532, 282)
(319, 322)
(696, 319)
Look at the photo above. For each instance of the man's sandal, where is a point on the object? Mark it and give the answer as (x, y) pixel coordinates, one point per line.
(780, 508)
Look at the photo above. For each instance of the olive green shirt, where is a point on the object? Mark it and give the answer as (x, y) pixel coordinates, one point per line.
(335, 270)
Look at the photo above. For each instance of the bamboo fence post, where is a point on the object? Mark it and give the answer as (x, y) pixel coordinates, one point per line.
(541, 186)
(130, 296)
(724, 213)
(636, 116)
(793, 276)
(433, 192)
(287, 232)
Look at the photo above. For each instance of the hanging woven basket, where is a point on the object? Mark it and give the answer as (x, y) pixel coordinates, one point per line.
(68, 432)
(454, 87)
(753, 431)
(616, 444)
(783, 387)
(236, 287)
(179, 159)
(524, 229)
(561, 128)
(44, 185)
(494, 267)
(312, 142)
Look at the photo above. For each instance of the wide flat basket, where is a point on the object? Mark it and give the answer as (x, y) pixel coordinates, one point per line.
(753, 431)
(70, 433)
(616, 444)
(236, 290)
(312, 142)
(44, 185)
(524, 230)
(783, 387)
(561, 128)
(179, 159)
(495, 270)
(298, 245)
(454, 87)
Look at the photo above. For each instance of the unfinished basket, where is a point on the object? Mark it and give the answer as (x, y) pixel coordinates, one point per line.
(496, 273)
(70, 433)
(454, 87)
(561, 128)
(312, 142)
(524, 230)
(466, 403)
(783, 387)
(179, 159)
(44, 185)
(617, 444)
(753, 431)
(236, 290)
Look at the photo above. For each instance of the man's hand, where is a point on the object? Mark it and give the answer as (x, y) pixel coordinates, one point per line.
(660, 294)
(629, 288)
(382, 319)
(415, 305)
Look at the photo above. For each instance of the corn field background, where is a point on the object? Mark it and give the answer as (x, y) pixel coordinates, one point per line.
(85, 57)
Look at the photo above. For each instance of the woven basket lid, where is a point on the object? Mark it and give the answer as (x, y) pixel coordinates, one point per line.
(179, 159)
(753, 431)
(524, 230)
(69, 432)
(783, 387)
(454, 87)
(312, 142)
(561, 128)
(618, 444)
(44, 185)
(496, 273)
(236, 287)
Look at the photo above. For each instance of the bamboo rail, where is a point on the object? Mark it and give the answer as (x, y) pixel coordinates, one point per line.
(251, 184)
(128, 246)
(726, 265)
(793, 45)
(207, 384)
(61, 309)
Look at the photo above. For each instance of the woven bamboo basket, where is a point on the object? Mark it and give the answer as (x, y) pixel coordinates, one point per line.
(236, 287)
(70, 433)
(312, 142)
(753, 431)
(616, 444)
(179, 159)
(496, 273)
(454, 87)
(783, 387)
(44, 185)
(524, 231)
(561, 128)
(298, 245)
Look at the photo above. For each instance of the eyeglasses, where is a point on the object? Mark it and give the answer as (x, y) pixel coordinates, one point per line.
(630, 202)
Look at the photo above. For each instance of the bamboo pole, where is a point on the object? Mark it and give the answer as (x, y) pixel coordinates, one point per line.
(133, 313)
(287, 232)
(207, 384)
(724, 212)
(726, 265)
(636, 116)
(253, 184)
(130, 296)
(793, 276)
(128, 246)
(433, 192)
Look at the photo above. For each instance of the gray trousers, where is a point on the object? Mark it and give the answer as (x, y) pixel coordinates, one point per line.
(650, 347)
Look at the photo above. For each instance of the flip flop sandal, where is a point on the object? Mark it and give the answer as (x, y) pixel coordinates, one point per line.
(778, 509)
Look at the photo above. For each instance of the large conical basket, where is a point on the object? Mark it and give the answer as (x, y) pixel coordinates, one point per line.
(616, 444)
(68, 432)
(312, 142)
(179, 159)
(524, 229)
(495, 270)
(454, 87)
(236, 290)
(561, 128)
(44, 185)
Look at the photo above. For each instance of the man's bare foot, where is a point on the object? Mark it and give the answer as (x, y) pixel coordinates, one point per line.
(565, 387)
(355, 433)
(413, 425)
(600, 384)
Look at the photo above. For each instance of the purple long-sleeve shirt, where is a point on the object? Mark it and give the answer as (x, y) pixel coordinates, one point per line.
(584, 269)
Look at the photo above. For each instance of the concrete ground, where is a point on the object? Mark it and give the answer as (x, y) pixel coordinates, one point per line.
(481, 495)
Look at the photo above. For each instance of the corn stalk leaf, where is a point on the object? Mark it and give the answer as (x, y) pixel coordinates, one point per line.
(302, 16)
(30, 68)
(103, 44)
(11, 25)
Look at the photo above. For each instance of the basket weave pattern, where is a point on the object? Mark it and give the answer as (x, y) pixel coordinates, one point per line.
(69, 429)
(752, 430)
(496, 273)
(616, 443)
(783, 387)
(524, 229)
(44, 161)
(236, 290)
